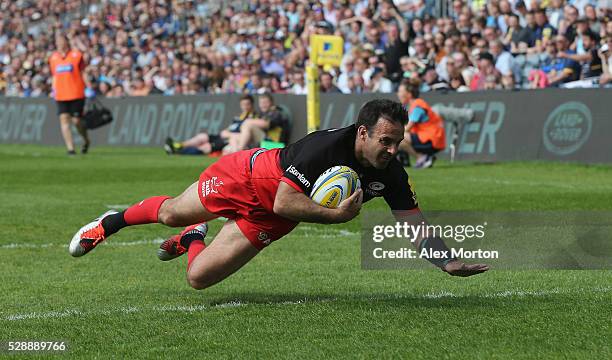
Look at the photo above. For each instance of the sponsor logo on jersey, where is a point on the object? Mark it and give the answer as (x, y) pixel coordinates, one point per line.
(376, 185)
(293, 171)
(374, 188)
(63, 68)
(372, 192)
(264, 237)
(211, 186)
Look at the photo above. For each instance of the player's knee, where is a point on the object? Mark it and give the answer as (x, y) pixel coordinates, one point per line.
(167, 216)
(196, 281)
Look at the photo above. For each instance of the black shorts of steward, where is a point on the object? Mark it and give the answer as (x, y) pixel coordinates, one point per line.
(71, 107)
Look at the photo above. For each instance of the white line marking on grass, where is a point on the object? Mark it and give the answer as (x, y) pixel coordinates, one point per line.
(134, 243)
(117, 206)
(110, 243)
(439, 295)
(231, 304)
(309, 231)
(321, 233)
(526, 293)
(46, 315)
(26, 246)
(180, 308)
(236, 303)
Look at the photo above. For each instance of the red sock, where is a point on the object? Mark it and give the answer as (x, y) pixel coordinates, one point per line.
(145, 212)
(195, 248)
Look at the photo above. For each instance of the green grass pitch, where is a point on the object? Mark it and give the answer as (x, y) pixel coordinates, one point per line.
(303, 297)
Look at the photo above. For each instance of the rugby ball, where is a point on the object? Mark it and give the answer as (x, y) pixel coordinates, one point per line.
(334, 185)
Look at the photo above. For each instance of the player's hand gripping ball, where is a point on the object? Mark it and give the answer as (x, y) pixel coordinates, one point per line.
(334, 185)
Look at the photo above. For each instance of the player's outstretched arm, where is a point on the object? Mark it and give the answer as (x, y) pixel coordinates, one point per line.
(459, 268)
(294, 205)
(448, 264)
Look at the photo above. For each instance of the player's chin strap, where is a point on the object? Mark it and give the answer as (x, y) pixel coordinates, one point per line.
(437, 252)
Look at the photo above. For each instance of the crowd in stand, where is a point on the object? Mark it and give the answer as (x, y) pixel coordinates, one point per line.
(136, 48)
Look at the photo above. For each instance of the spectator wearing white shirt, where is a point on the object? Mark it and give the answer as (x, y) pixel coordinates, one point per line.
(347, 72)
(605, 54)
(504, 62)
(555, 13)
(379, 83)
(299, 85)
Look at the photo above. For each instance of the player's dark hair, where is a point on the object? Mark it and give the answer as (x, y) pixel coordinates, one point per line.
(247, 97)
(373, 110)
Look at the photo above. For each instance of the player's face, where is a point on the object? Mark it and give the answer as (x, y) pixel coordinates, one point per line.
(382, 144)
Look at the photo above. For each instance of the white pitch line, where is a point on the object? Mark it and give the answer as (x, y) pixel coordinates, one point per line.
(237, 303)
(117, 206)
(47, 315)
(110, 243)
(307, 232)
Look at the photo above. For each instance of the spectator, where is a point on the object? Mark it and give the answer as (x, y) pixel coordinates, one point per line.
(178, 48)
(396, 45)
(570, 69)
(605, 55)
(528, 36)
(538, 78)
(487, 75)
(457, 83)
(567, 26)
(544, 32)
(255, 85)
(347, 71)
(462, 65)
(590, 15)
(356, 84)
(269, 65)
(299, 85)
(504, 62)
(508, 82)
(582, 27)
(432, 82)
(555, 13)
(590, 63)
(379, 83)
(327, 84)
(514, 34)
(420, 51)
